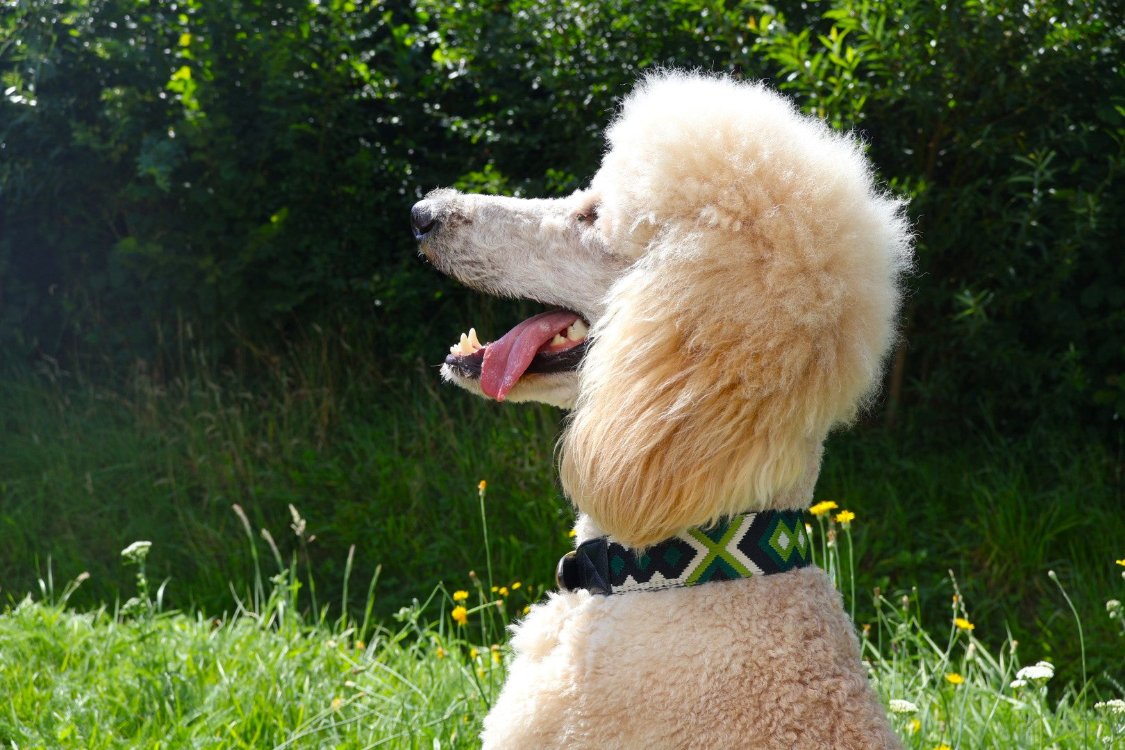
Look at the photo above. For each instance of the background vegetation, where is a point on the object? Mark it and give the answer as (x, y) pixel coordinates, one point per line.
(209, 294)
(182, 168)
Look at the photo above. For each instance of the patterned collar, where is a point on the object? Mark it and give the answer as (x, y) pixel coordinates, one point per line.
(742, 546)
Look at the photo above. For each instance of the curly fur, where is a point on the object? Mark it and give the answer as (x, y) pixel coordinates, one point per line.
(756, 319)
(742, 278)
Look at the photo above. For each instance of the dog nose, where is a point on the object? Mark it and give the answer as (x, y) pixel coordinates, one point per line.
(423, 219)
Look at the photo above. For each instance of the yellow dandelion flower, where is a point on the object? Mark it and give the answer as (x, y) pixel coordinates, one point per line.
(460, 596)
(527, 609)
(495, 589)
(440, 652)
(823, 507)
(360, 645)
(482, 486)
(1121, 563)
(480, 671)
(954, 679)
(962, 623)
(914, 725)
(845, 517)
(460, 615)
(473, 653)
(503, 591)
(943, 747)
(516, 585)
(572, 533)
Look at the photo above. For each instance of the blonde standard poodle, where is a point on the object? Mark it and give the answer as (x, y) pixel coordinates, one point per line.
(721, 297)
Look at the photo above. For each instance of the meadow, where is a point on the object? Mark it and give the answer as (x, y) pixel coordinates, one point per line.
(271, 673)
(312, 520)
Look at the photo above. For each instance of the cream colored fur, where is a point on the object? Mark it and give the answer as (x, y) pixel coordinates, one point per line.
(741, 276)
(755, 319)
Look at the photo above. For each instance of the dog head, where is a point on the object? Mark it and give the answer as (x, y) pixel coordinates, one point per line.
(739, 274)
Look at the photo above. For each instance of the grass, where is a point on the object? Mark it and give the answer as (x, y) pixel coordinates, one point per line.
(375, 463)
(271, 675)
(1001, 516)
(85, 470)
(378, 459)
(264, 677)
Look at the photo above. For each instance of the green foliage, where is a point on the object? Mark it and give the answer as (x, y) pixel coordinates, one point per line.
(1004, 123)
(188, 164)
(204, 161)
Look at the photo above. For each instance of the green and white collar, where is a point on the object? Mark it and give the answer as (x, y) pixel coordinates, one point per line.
(742, 546)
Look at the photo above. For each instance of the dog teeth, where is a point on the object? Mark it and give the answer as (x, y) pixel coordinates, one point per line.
(468, 344)
(576, 332)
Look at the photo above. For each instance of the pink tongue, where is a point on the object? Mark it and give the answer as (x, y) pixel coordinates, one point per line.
(506, 360)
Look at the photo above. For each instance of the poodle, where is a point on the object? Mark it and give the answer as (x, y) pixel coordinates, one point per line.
(721, 296)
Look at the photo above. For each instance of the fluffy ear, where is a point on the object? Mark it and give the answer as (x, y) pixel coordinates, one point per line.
(724, 358)
(755, 318)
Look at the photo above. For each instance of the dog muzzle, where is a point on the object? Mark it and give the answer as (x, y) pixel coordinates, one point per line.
(742, 546)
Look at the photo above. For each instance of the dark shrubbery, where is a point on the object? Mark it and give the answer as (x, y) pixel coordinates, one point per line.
(188, 166)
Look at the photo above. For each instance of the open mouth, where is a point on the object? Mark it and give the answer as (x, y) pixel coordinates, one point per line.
(553, 341)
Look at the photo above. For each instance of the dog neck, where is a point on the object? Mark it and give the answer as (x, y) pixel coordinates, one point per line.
(589, 565)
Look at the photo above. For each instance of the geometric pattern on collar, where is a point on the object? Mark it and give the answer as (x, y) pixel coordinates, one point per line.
(740, 546)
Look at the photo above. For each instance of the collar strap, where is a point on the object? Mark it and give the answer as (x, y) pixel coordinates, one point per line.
(742, 546)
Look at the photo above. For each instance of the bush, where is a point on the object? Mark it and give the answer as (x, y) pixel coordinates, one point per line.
(189, 167)
(1003, 123)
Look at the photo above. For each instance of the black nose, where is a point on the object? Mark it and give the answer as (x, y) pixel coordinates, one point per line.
(423, 219)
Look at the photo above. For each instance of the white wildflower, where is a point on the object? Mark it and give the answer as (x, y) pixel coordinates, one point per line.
(1042, 671)
(134, 606)
(136, 551)
(900, 706)
(1016, 684)
(298, 524)
(1114, 706)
